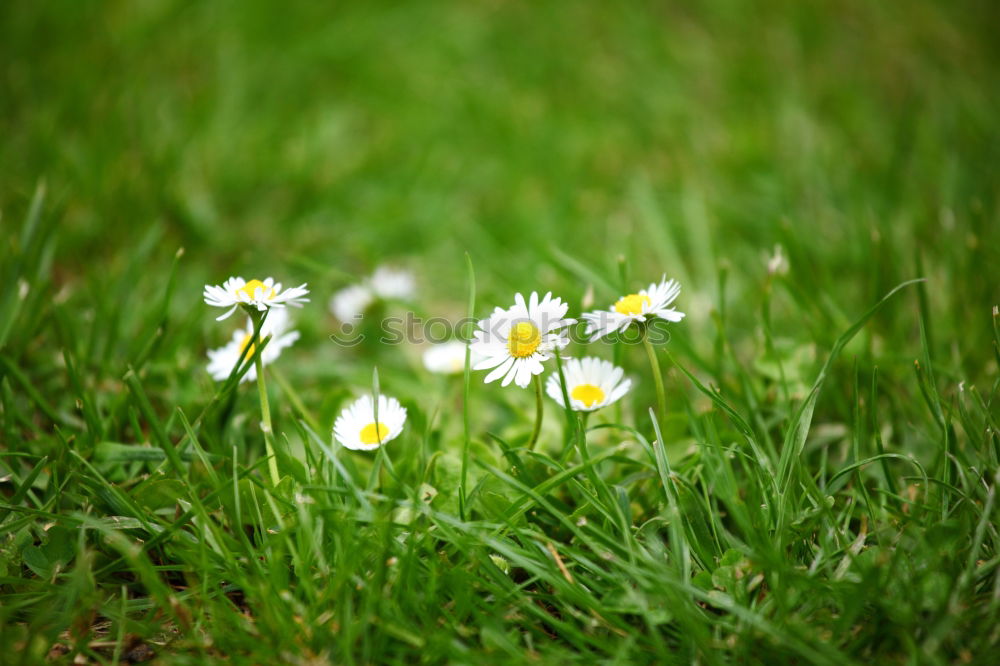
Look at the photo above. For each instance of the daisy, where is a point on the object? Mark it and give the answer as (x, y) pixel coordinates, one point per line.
(393, 283)
(651, 302)
(591, 383)
(385, 283)
(222, 360)
(236, 291)
(514, 342)
(351, 302)
(447, 358)
(356, 428)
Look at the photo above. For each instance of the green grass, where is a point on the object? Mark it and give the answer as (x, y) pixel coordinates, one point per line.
(826, 488)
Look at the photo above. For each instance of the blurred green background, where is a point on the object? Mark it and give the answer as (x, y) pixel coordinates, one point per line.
(265, 137)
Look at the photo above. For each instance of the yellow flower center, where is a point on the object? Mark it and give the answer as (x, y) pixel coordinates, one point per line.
(524, 339)
(245, 344)
(588, 394)
(374, 434)
(631, 304)
(250, 287)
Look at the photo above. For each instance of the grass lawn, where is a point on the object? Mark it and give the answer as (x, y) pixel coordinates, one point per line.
(817, 486)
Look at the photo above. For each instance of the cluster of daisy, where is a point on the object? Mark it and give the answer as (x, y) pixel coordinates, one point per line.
(255, 296)
(512, 344)
(364, 425)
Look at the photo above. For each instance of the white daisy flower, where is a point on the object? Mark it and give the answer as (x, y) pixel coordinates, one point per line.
(222, 360)
(236, 291)
(351, 302)
(514, 342)
(447, 358)
(394, 283)
(591, 383)
(385, 283)
(357, 429)
(651, 302)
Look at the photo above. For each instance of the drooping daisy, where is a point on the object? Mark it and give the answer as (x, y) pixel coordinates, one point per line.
(447, 358)
(648, 303)
(357, 429)
(236, 291)
(591, 383)
(515, 342)
(397, 283)
(351, 302)
(222, 360)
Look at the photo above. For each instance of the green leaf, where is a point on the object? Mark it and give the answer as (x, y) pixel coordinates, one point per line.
(35, 559)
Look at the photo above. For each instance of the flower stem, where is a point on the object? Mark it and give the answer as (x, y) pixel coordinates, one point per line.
(654, 364)
(467, 388)
(567, 406)
(569, 436)
(539, 413)
(265, 410)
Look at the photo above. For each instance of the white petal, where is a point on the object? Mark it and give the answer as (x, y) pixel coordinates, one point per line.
(500, 371)
(670, 315)
(491, 361)
(226, 314)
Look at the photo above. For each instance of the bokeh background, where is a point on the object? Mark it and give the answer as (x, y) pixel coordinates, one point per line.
(315, 140)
